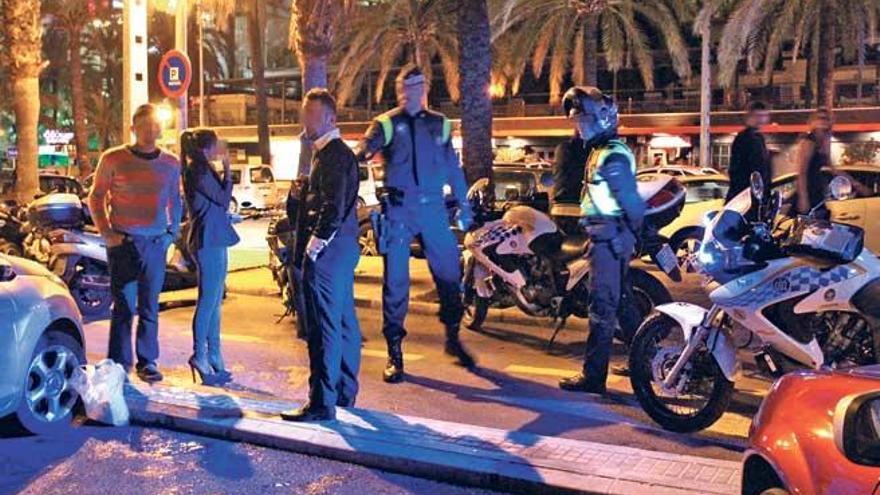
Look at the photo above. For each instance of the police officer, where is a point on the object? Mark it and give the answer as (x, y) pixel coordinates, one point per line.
(568, 182)
(419, 161)
(613, 212)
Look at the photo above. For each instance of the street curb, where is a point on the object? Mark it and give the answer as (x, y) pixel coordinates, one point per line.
(448, 452)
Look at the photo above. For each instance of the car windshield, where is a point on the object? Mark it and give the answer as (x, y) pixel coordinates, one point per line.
(261, 175)
(698, 191)
(236, 176)
(514, 185)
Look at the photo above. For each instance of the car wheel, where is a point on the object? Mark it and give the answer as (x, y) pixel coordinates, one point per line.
(685, 245)
(233, 206)
(367, 240)
(48, 401)
(9, 248)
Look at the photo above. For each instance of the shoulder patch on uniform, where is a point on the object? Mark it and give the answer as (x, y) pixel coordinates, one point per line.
(387, 127)
(447, 130)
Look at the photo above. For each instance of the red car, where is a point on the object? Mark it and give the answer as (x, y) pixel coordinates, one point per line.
(817, 433)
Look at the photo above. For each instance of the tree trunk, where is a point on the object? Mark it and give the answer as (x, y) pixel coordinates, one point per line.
(475, 66)
(257, 23)
(591, 50)
(825, 62)
(26, 103)
(80, 130)
(810, 86)
(229, 38)
(705, 97)
(314, 71)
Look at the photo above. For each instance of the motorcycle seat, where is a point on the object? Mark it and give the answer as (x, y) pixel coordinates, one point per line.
(572, 247)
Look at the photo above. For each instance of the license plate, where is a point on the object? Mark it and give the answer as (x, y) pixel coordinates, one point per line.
(666, 259)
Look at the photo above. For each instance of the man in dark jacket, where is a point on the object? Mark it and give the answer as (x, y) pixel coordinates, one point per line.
(568, 182)
(331, 254)
(749, 152)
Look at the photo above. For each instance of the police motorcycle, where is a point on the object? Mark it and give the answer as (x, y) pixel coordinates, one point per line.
(524, 260)
(794, 292)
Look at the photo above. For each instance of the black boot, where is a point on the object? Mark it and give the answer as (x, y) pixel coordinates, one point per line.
(394, 368)
(455, 349)
(580, 383)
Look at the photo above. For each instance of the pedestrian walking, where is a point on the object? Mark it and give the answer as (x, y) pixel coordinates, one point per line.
(210, 235)
(811, 159)
(613, 214)
(419, 160)
(748, 153)
(330, 255)
(135, 204)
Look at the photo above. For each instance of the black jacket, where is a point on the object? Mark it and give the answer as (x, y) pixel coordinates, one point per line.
(331, 199)
(568, 170)
(748, 154)
(207, 201)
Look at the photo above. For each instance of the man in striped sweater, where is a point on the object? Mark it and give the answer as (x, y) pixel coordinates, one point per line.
(135, 204)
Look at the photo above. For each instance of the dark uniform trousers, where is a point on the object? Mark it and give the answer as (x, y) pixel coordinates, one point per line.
(609, 286)
(334, 337)
(430, 220)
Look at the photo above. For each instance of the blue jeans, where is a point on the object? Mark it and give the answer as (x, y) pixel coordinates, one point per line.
(212, 264)
(334, 335)
(137, 272)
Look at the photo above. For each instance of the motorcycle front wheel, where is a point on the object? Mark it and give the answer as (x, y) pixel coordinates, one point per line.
(702, 393)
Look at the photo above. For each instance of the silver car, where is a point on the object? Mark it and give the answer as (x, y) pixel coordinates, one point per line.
(42, 343)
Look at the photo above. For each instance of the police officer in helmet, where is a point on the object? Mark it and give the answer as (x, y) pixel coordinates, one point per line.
(416, 145)
(612, 212)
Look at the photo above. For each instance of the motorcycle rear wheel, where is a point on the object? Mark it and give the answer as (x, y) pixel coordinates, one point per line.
(647, 358)
(648, 293)
(475, 313)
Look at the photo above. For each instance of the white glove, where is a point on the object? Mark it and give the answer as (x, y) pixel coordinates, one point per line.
(315, 246)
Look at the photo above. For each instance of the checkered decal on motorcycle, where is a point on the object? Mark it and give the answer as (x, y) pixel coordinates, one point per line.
(803, 279)
(497, 233)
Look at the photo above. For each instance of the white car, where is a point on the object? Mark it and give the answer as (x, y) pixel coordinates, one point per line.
(368, 185)
(254, 188)
(43, 343)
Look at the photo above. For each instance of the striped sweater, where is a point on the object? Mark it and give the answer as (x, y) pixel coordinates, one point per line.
(136, 194)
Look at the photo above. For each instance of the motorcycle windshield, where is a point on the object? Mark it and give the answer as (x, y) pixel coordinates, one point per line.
(722, 248)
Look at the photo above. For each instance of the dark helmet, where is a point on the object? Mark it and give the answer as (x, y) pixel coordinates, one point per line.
(589, 100)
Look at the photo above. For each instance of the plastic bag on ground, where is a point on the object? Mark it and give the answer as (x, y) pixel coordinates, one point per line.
(101, 389)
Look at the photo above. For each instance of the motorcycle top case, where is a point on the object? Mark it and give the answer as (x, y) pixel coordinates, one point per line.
(58, 210)
(664, 198)
(827, 240)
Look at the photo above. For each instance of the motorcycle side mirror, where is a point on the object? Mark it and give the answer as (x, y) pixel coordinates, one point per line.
(841, 188)
(757, 185)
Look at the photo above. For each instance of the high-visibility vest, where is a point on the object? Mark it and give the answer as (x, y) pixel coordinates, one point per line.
(597, 198)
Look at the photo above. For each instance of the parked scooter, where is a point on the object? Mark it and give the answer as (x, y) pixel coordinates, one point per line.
(795, 293)
(524, 260)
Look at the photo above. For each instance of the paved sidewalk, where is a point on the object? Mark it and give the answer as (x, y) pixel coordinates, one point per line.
(451, 452)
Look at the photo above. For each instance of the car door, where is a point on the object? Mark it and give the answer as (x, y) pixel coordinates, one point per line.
(849, 211)
(869, 198)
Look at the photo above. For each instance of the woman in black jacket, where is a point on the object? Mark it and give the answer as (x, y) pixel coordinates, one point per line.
(210, 234)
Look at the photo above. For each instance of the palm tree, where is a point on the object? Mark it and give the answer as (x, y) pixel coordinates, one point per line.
(758, 29)
(313, 28)
(388, 33)
(70, 17)
(569, 32)
(23, 59)
(475, 62)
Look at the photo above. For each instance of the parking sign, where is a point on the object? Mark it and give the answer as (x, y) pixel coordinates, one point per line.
(175, 74)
